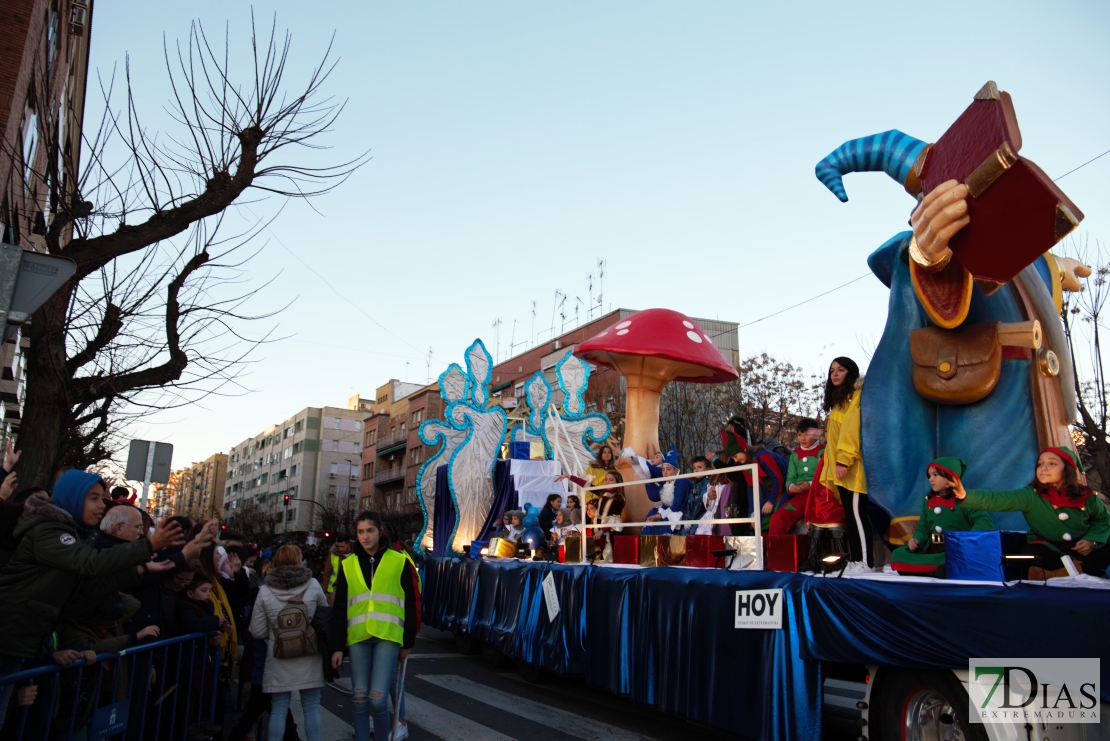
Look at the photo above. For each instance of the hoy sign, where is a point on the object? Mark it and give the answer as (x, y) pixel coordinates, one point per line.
(759, 608)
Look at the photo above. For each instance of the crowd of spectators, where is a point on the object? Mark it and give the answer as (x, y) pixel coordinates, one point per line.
(85, 572)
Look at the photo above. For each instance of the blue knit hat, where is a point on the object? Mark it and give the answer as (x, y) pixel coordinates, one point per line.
(670, 458)
(70, 490)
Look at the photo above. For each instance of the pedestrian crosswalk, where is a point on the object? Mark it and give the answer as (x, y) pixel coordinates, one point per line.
(568, 722)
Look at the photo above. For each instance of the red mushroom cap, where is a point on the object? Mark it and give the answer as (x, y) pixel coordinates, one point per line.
(664, 334)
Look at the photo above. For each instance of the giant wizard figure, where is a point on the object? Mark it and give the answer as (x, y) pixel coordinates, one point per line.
(973, 362)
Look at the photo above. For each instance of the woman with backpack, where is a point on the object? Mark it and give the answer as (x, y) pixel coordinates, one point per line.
(377, 608)
(283, 616)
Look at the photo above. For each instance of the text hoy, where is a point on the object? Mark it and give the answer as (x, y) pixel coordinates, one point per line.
(759, 608)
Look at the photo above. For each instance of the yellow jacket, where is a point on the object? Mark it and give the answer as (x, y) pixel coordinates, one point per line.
(842, 431)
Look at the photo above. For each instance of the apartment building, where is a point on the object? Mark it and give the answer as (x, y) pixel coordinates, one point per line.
(312, 457)
(393, 453)
(44, 61)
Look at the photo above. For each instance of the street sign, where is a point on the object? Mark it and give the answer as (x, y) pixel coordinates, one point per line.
(137, 456)
(149, 462)
(27, 279)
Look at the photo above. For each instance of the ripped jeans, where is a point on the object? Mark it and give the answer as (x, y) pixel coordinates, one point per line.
(373, 672)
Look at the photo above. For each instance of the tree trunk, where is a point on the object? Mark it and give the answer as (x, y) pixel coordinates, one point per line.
(45, 408)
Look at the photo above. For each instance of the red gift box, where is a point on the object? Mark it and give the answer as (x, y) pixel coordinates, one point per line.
(786, 552)
(626, 549)
(699, 547)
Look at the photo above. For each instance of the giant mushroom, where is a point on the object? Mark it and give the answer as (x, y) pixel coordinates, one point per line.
(650, 349)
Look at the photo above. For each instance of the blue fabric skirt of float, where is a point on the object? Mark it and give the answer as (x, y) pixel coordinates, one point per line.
(667, 637)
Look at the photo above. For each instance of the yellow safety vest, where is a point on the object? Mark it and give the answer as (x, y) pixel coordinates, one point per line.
(334, 571)
(377, 611)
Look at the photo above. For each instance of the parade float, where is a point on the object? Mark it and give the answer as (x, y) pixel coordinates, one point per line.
(972, 363)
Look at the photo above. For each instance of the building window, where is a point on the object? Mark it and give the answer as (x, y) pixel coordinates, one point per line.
(519, 389)
(291, 515)
(417, 417)
(331, 490)
(337, 423)
(296, 469)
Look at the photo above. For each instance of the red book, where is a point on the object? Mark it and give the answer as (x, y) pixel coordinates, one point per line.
(1017, 213)
(786, 552)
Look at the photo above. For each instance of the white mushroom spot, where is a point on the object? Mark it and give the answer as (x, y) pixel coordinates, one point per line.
(707, 337)
(602, 334)
(622, 331)
(688, 325)
(694, 336)
(625, 323)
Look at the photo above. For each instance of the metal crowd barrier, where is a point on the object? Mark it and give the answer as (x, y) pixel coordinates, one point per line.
(107, 700)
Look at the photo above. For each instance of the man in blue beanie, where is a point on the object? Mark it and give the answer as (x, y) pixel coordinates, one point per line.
(55, 555)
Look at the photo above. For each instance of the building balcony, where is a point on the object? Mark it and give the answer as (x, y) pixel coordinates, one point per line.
(391, 443)
(396, 473)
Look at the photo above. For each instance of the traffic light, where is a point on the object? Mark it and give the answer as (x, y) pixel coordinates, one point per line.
(287, 498)
(222, 528)
(327, 534)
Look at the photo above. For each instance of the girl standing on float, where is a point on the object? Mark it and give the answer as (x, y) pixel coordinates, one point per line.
(609, 508)
(843, 462)
(1065, 517)
(376, 609)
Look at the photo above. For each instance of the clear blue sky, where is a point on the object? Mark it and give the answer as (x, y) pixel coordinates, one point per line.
(516, 143)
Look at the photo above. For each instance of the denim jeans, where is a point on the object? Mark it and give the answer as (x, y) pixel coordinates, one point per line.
(373, 670)
(310, 703)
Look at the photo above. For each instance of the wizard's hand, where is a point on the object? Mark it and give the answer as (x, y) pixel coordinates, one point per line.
(936, 220)
(1071, 270)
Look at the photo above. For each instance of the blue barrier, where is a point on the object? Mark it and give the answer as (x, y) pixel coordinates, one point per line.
(119, 706)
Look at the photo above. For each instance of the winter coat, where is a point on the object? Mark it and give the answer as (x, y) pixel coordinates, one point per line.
(194, 616)
(282, 584)
(148, 591)
(54, 556)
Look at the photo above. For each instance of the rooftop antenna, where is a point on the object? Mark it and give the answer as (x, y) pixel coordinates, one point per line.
(532, 336)
(590, 305)
(406, 371)
(601, 263)
(577, 302)
(497, 338)
(554, 309)
(512, 339)
(428, 366)
(562, 315)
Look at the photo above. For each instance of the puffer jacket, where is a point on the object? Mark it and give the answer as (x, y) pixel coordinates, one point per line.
(54, 556)
(282, 584)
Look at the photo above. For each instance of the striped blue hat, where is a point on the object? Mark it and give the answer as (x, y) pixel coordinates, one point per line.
(891, 152)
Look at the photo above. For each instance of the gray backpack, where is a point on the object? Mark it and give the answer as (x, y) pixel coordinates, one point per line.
(294, 635)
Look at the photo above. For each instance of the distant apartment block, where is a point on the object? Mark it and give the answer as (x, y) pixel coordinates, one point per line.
(313, 457)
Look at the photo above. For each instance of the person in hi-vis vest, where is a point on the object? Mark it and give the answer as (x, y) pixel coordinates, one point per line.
(377, 608)
(336, 554)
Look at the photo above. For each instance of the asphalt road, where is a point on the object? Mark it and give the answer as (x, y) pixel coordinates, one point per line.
(464, 698)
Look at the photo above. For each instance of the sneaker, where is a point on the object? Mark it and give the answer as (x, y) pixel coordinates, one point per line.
(402, 732)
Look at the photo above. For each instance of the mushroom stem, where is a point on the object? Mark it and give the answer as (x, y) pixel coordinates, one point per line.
(641, 426)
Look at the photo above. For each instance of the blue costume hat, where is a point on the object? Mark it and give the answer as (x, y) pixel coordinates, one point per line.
(891, 152)
(70, 490)
(670, 458)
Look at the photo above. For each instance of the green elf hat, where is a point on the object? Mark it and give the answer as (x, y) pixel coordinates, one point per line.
(732, 442)
(1068, 456)
(954, 467)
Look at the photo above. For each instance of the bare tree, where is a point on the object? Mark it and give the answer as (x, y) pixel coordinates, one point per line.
(254, 522)
(152, 319)
(770, 394)
(1082, 314)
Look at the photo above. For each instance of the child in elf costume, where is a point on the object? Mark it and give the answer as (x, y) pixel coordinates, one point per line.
(1065, 518)
(799, 476)
(923, 554)
(671, 495)
(772, 472)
